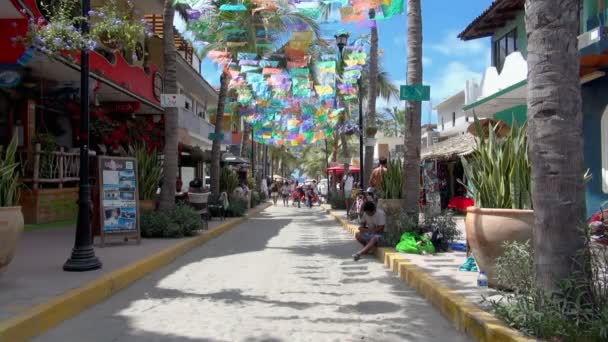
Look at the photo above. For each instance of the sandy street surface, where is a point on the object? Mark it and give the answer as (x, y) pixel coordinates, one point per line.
(284, 275)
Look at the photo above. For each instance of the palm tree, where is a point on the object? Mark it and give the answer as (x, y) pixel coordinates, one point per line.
(392, 122)
(370, 131)
(278, 20)
(411, 164)
(170, 151)
(555, 138)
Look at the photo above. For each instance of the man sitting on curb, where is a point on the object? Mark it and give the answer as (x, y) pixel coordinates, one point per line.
(371, 232)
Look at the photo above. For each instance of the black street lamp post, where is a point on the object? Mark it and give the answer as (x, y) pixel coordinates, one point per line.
(83, 254)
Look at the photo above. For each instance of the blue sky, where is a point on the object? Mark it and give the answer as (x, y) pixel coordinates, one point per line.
(448, 61)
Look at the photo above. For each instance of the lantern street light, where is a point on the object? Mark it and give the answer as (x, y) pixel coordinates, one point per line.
(342, 41)
(83, 255)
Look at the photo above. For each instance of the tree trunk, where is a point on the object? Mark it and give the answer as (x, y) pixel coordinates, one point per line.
(370, 131)
(246, 142)
(336, 148)
(217, 141)
(170, 151)
(411, 164)
(555, 138)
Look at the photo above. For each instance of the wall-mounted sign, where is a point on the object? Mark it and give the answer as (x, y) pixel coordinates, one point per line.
(126, 107)
(172, 101)
(119, 214)
(416, 92)
(9, 78)
(157, 85)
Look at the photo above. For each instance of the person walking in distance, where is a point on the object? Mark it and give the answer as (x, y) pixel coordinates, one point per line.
(375, 180)
(348, 190)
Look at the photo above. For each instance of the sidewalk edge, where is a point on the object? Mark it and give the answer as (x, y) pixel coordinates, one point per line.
(45, 316)
(466, 316)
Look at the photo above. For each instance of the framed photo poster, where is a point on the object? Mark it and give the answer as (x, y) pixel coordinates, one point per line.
(119, 200)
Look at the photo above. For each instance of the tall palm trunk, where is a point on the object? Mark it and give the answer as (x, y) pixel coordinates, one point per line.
(555, 137)
(217, 141)
(170, 151)
(246, 142)
(411, 164)
(371, 129)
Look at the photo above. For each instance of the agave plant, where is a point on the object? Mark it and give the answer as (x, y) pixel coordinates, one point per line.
(9, 175)
(392, 180)
(149, 171)
(498, 172)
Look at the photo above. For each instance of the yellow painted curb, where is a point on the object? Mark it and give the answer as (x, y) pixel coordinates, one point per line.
(466, 316)
(43, 317)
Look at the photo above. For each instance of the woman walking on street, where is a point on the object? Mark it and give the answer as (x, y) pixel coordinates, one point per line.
(285, 194)
(274, 192)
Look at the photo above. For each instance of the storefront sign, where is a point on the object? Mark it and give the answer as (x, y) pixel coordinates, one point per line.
(119, 215)
(172, 101)
(126, 107)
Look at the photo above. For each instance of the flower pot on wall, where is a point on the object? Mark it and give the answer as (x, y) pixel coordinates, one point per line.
(488, 230)
(11, 226)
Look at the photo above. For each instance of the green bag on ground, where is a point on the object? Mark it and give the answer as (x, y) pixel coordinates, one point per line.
(414, 243)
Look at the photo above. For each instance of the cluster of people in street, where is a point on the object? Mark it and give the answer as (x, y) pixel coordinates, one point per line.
(307, 194)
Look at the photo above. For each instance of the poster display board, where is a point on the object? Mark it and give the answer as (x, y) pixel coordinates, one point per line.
(119, 214)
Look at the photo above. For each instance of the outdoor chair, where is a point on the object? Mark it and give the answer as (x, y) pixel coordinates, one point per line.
(200, 203)
(220, 205)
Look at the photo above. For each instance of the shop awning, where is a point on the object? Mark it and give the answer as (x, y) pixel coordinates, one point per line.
(515, 95)
(59, 72)
(453, 148)
(338, 170)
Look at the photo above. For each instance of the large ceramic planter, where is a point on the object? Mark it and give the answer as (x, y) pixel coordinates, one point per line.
(11, 226)
(488, 230)
(147, 205)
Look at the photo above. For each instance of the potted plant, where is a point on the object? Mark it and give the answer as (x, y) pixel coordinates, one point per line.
(11, 217)
(498, 175)
(392, 187)
(118, 27)
(149, 173)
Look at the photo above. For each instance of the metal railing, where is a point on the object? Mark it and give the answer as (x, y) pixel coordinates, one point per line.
(194, 124)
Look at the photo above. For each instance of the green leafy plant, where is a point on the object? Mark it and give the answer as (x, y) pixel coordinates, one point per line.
(187, 219)
(48, 145)
(392, 180)
(445, 225)
(229, 180)
(116, 25)
(183, 221)
(578, 311)
(237, 207)
(149, 171)
(9, 175)
(60, 32)
(337, 200)
(251, 183)
(397, 224)
(499, 171)
(255, 198)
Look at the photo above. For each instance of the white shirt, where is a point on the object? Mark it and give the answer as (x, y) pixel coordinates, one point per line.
(376, 220)
(348, 184)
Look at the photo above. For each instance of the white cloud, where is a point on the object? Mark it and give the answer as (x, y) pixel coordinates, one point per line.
(451, 45)
(451, 80)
